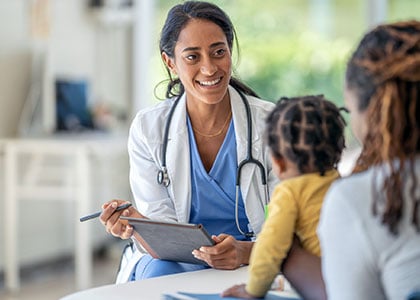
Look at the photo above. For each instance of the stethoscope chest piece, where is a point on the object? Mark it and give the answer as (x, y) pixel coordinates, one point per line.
(163, 177)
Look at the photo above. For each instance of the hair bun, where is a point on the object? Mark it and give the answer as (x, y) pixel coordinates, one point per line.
(391, 52)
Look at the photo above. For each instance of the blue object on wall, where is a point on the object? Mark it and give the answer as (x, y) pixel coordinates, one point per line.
(71, 106)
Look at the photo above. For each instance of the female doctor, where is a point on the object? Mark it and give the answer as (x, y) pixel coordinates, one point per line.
(185, 152)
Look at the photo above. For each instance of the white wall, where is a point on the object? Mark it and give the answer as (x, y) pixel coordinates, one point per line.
(87, 46)
(14, 63)
(79, 46)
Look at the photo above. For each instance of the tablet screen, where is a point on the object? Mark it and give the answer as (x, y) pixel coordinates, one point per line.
(170, 240)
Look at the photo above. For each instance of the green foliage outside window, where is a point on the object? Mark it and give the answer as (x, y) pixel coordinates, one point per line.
(280, 53)
(295, 65)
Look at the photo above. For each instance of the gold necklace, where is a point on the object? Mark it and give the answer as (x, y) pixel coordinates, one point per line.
(217, 133)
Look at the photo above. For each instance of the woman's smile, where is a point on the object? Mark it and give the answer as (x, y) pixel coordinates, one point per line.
(210, 83)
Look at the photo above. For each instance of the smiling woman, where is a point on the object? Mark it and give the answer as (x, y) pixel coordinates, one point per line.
(194, 140)
(205, 71)
(202, 61)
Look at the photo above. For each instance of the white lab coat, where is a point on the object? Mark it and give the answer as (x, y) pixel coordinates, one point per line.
(173, 203)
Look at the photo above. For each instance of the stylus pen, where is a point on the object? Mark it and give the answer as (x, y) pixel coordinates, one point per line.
(97, 214)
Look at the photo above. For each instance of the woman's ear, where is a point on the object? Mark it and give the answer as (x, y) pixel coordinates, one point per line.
(168, 62)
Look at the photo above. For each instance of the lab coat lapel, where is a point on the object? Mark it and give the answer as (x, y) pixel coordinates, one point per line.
(178, 158)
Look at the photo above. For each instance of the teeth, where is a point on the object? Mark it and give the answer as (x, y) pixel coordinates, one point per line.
(209, 83)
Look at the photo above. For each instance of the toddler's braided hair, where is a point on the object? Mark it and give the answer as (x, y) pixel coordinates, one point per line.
(309, 131)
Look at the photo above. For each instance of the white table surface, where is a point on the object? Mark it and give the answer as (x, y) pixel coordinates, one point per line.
(203, 281)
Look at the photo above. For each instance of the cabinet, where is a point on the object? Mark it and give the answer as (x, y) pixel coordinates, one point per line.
(24, 177)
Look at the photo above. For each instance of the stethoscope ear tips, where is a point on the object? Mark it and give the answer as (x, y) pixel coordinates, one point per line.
(162, 177)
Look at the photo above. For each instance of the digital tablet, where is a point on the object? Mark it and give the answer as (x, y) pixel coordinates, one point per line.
(170, 240)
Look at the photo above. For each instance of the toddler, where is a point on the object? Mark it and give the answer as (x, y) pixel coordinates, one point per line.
(306, 138)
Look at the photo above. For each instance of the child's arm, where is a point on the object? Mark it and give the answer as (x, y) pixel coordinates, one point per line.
(273, 243)
(271, 247)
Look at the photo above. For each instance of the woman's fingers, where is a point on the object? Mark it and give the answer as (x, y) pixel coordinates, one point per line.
(107, 210)
(110, 218)
(121, 228)
(223, 255)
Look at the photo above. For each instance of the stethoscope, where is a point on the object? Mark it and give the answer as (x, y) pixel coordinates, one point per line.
(163, 177)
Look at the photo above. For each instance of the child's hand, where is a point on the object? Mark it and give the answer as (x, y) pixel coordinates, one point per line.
(237, 291)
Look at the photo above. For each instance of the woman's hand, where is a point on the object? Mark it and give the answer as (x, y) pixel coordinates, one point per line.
(237, 291)
(111, 219)
(227, 254)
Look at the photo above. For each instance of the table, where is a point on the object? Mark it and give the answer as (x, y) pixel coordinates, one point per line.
(209, 281)
(82, 148)
(203, 281)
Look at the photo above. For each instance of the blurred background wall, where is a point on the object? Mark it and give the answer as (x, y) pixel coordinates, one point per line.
(41, 42)
(287, 48)
(70, 40)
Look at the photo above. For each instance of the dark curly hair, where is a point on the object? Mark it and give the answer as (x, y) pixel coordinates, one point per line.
(384, 75)
(309, 131)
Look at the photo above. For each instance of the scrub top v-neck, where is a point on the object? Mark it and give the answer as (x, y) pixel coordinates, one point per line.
(213, 193)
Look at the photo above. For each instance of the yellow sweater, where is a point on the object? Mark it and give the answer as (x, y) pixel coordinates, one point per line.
(294, 209)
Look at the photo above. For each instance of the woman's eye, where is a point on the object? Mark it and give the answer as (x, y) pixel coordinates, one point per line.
(220, 52)
(191, 57)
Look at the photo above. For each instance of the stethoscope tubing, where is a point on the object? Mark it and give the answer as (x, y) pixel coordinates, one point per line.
(163, 177)
(248, 160)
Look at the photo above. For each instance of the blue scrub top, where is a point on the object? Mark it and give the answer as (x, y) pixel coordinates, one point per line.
(212, 204)
(213, 193)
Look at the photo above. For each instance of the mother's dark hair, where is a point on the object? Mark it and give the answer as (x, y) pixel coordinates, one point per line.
(176, 20)
(384, 75)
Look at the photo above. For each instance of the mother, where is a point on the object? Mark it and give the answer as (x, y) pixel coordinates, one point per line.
(370, 224)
